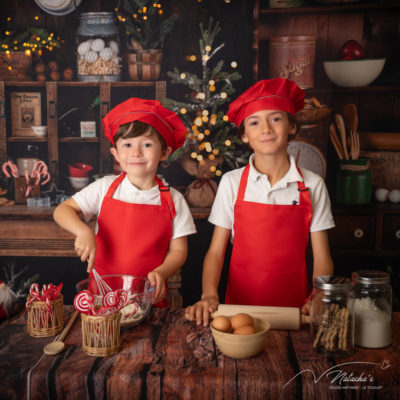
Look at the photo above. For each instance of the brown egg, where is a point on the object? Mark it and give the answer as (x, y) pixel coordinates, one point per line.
(241, 319)
(222, 323)
(41, 77)
(244, 330)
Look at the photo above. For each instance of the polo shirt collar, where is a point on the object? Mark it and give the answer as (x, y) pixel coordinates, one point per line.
(292, 175)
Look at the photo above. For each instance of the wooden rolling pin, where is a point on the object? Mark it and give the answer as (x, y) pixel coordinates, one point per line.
(389, 141)
(279, 317)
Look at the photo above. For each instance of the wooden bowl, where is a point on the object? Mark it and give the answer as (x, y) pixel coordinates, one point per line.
(242, 346)
(312, 116)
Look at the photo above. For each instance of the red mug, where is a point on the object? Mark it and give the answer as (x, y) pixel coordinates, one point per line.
(79, 170)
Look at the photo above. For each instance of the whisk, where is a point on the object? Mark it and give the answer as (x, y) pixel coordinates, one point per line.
(101, 284)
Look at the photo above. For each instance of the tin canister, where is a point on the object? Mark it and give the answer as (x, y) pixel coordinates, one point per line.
(293, 57)
(353, 182)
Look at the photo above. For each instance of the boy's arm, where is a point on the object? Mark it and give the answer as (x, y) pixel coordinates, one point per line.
(174, 259)
(67, 216)
(213, 263)
(323, 264)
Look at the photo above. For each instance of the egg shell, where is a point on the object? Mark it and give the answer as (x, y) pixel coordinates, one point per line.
(113, 45)
(222, 323)
(394, 196)
(106, 54)
(244, 330)
(381, 194)
(91, 56)
(241, 319)
(84, 47)
(98, 45)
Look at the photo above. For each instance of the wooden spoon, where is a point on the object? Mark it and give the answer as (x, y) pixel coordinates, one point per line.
(350, 117)
(56, 347)
(342, 134)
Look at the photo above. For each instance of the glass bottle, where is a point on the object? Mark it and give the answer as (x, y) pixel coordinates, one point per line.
(332, 316)
(372, 308)
(98, 49)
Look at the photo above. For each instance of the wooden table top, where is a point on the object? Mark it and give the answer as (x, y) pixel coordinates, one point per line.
(168, 357)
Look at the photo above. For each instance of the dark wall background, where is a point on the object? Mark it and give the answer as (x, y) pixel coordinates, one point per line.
(237, 34)
(236, 24)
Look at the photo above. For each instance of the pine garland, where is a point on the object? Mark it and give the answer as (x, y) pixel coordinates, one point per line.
(144, 23)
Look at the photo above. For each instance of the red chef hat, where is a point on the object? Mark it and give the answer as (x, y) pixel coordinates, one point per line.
(268, 94)
(166, 122)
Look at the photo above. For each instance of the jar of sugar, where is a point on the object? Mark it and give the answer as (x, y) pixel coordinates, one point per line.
(372, 308)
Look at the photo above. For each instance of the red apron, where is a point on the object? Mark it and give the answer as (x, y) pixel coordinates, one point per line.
(133, 239)
(268, 263)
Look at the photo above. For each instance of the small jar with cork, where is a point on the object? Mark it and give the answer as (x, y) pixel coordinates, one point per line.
(332, 316)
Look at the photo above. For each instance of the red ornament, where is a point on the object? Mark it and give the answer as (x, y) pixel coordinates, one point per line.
(351, 50)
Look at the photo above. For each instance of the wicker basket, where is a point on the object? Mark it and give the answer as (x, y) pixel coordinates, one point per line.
(45, 323)
(101, 335)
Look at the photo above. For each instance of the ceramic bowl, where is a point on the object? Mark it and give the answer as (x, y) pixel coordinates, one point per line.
(242, 346)
(40, 131)
(140, 295)
(354, 73)
(78, 183)
(79, 170)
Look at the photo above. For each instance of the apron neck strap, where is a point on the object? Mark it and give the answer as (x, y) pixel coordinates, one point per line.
(114, 185)
(166, 198)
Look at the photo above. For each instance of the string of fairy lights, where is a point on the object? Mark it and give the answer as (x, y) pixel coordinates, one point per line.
(31, 41)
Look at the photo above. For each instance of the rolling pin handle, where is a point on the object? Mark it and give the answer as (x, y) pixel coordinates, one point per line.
(305, 319)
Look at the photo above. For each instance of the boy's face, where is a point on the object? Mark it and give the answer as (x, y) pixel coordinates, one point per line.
(139, 156)
(267, 131)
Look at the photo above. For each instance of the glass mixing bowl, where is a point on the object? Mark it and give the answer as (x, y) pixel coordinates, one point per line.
(140, 295)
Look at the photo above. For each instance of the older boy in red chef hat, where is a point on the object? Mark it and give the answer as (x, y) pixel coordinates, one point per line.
(269, 208)
(142, 223)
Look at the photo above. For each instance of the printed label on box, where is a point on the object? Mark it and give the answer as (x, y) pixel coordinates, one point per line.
(88, 129)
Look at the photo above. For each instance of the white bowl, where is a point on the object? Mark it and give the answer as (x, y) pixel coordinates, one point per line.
(78, 183)
(40, 131)
(354, 73)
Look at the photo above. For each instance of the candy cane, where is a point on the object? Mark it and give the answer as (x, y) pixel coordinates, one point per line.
(13, 169)
(47, 176)
(104, 311)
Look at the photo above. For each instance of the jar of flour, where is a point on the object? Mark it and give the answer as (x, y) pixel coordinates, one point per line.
(372, 308)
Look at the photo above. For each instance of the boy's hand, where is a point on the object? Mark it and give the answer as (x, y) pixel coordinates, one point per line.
(306, 308)
(85, 246)
(158, 281)
(201, 311)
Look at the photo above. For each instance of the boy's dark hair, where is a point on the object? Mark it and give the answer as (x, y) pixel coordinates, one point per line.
(292, 120)
(135, 129)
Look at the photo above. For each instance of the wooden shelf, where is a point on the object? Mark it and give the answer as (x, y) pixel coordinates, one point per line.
(26, 139)
(334, 8)
(79, 139)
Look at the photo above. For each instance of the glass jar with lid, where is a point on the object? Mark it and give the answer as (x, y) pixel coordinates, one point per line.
(98, 49)
(372, 308)
(332, 316)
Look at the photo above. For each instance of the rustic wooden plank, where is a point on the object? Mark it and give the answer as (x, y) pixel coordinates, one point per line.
(184, 364)
(127, 378)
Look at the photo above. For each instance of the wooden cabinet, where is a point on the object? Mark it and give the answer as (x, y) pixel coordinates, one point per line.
(60, 147)
(370, 230)
(375, 26)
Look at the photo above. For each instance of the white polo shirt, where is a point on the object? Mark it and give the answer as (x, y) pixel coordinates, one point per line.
(91, 198)
(284, 192)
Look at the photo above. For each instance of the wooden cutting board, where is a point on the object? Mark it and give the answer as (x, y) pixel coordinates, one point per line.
(279, 317)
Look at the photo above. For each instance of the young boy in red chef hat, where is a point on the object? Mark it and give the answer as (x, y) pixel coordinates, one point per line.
(142, 223)
(269, 208)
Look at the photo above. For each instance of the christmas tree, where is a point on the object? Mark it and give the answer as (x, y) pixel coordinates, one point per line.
(211, 136)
